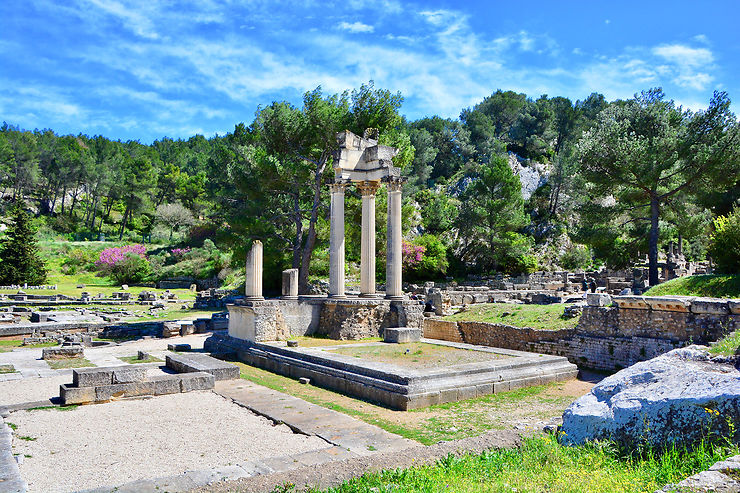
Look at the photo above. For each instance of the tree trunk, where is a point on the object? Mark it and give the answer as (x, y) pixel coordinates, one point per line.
(311, 236)
(653, 239)
(123, 222)
(298, 220)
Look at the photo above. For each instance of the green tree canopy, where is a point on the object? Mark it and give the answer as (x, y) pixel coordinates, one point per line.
(647, 153)
(19, 257)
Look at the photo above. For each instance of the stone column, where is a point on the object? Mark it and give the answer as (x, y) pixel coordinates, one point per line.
(336, 241)
(253, 283)
(367, 247)
(290, 284)
(393, 281)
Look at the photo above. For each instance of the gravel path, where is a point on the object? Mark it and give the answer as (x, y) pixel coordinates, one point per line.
(118, 442)
(335, 473)
(32, 389)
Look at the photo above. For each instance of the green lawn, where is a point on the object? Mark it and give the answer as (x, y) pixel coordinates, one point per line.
(714, 286)
(543, 317)
(728, 345)
(541, 465)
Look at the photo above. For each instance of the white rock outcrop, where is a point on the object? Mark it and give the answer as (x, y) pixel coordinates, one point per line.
(678, 397)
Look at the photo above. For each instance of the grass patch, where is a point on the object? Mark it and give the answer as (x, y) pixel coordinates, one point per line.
(441, 422)
(540, 464)
(7, 346)
(12, 426)
(417, 354)
(713, 286)
(5, 369)
(71, 407)
(27, 438)
(728, 345)
(58, 364)
(135, 359)
(542, 317)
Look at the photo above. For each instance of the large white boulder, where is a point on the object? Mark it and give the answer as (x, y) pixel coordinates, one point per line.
(681, 396)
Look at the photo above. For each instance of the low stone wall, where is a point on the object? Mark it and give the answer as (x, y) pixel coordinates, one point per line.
(272, 320)
(608, 338)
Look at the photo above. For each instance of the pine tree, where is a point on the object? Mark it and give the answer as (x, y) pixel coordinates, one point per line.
(19, 256)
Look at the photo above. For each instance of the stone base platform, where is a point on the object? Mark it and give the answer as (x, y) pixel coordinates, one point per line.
(346, 318)
(101, 384)
(399, 387)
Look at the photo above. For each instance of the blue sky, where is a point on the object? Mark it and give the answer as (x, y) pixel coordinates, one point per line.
(144, 70)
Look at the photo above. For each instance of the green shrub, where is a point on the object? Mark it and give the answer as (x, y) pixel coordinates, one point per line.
(133, 268)
(433, 263)
(576, 257)
(724, 244)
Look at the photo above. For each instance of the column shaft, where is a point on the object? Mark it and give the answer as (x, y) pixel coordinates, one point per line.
(253, 284)
(393, 281)
(336, 242)
(367, 246)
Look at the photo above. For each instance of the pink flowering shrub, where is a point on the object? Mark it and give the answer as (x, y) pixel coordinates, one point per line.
(124, 264)
(412, 254)
(180, 252)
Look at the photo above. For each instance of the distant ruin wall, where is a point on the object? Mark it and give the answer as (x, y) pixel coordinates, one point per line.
(608, 338)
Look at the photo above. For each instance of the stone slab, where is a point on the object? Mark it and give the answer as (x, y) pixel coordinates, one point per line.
(402, 334)
(598, 299)
(197, 362)
(196, 381)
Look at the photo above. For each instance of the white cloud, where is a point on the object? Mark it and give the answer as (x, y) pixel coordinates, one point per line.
(356, 27)
(684, 55)
(687, 65)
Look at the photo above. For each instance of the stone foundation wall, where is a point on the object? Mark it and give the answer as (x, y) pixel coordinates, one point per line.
(608, 338)
(272, 320)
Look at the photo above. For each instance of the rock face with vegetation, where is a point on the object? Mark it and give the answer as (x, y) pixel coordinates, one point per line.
(680, 397)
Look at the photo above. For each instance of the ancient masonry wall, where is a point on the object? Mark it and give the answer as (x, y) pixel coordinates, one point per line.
(608, 338)
(272, 320)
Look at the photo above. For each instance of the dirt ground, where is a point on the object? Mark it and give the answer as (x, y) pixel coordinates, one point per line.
(417, 354)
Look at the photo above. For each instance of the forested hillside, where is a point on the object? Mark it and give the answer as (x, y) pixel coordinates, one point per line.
(604, 182)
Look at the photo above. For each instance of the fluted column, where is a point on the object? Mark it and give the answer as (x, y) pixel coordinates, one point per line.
(336, 241)
(367, 246)
(393, 281)
(253, 284)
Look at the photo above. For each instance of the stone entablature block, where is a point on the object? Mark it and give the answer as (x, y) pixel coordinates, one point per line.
(710, 306)
(669, 304)
(633, 302)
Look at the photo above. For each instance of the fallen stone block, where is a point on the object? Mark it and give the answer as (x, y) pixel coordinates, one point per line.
(166, 384)
(187, 363)
(196, 381)
(679, 394)
(401, 334)
(92, 377)
(129, 374)
(598, 299)
(143, 355)
(179, 347)
(65, 352)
